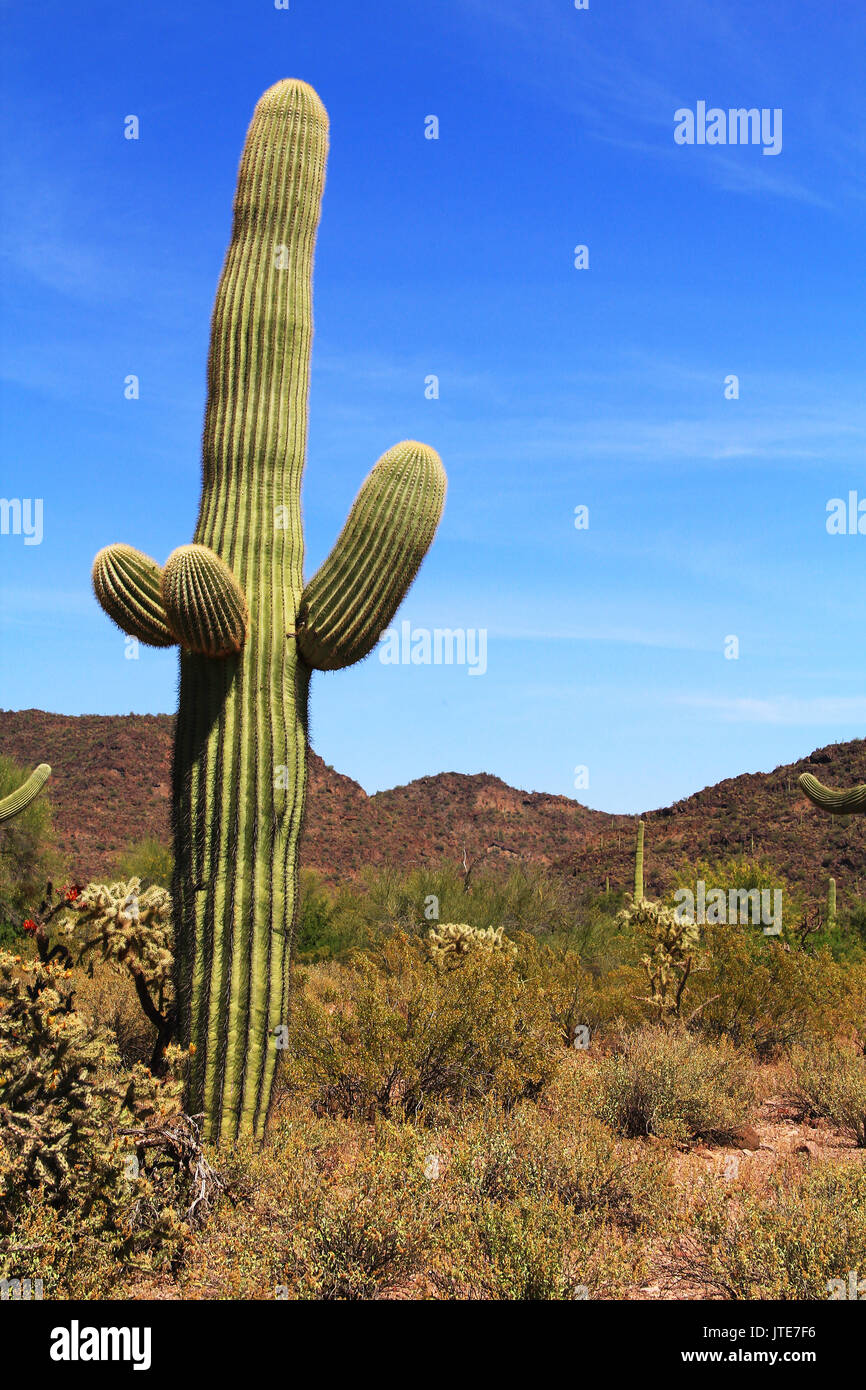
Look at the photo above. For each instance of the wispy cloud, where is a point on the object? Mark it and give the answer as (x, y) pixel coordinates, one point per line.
(780, 709)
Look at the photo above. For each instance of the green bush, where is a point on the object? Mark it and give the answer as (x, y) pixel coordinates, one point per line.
(670, 1084)
(555, 1152)
(391, 1033)
(761, 994)
(149, 860)
(791, 1241)
(830, 1084)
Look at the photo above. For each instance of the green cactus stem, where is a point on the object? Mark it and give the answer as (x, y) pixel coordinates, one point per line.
(638, 864)
(850, 803)
(128, 584)
(250, 633)
(203, 602)
(19, 800)
(831, 903)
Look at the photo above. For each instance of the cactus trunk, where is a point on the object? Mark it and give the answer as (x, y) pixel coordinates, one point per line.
(240, 755)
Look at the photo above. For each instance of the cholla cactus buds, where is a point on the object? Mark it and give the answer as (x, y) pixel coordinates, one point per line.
(128, 926)
(455, 939)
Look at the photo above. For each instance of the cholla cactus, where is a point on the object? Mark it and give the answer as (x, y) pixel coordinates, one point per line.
(127, 925)
(453, 939)
(671, 942)
(62, 1099)
(134, 929)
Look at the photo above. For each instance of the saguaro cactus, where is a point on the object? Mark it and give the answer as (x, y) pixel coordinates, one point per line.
(250, 633)
(831, 903)
(16, 801)
(638, 864)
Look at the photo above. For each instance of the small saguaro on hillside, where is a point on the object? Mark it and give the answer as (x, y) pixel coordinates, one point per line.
(250, 632)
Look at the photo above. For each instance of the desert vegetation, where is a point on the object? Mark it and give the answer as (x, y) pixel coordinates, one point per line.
(509, 1087)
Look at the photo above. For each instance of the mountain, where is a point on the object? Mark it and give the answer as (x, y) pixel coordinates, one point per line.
(112, 777)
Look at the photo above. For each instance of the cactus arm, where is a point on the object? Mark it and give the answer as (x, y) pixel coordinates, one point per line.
(354, 595)
(240, 752)
(203, 602)
(127, 584)
(848, 803)
(17, 801)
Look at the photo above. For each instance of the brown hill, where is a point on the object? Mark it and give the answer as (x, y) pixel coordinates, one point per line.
(111, 782)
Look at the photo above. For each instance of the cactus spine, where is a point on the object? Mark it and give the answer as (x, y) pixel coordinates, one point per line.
(250, 632)
(18, 800)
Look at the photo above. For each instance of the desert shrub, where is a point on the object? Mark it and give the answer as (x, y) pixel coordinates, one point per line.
(517, 1251)
(790, 1241)
(356, 1242)
(763, 995)
(106, 996)
(391, 1033)
(557, 1152)
(330, 924)
(540, 1204)
(149, 860)
(830, 1084)
(28, 858)
(76, 1191)
(323, 1210)
(497, 1205)
(672, 1085)
(576, 995)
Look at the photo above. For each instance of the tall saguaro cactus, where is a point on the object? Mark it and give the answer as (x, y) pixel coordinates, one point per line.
(18, 800)
(250, 632)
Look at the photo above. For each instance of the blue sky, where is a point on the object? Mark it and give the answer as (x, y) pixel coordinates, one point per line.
(558, 387)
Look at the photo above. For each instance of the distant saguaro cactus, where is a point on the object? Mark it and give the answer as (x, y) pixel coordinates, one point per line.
(638, 864)
(18, 800)
(250, 632)
(831, 903)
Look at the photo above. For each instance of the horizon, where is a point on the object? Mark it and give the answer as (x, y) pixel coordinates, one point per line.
(607, 648)
(455, 772)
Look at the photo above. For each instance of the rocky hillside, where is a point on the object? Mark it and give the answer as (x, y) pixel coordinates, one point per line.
(111, 781)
